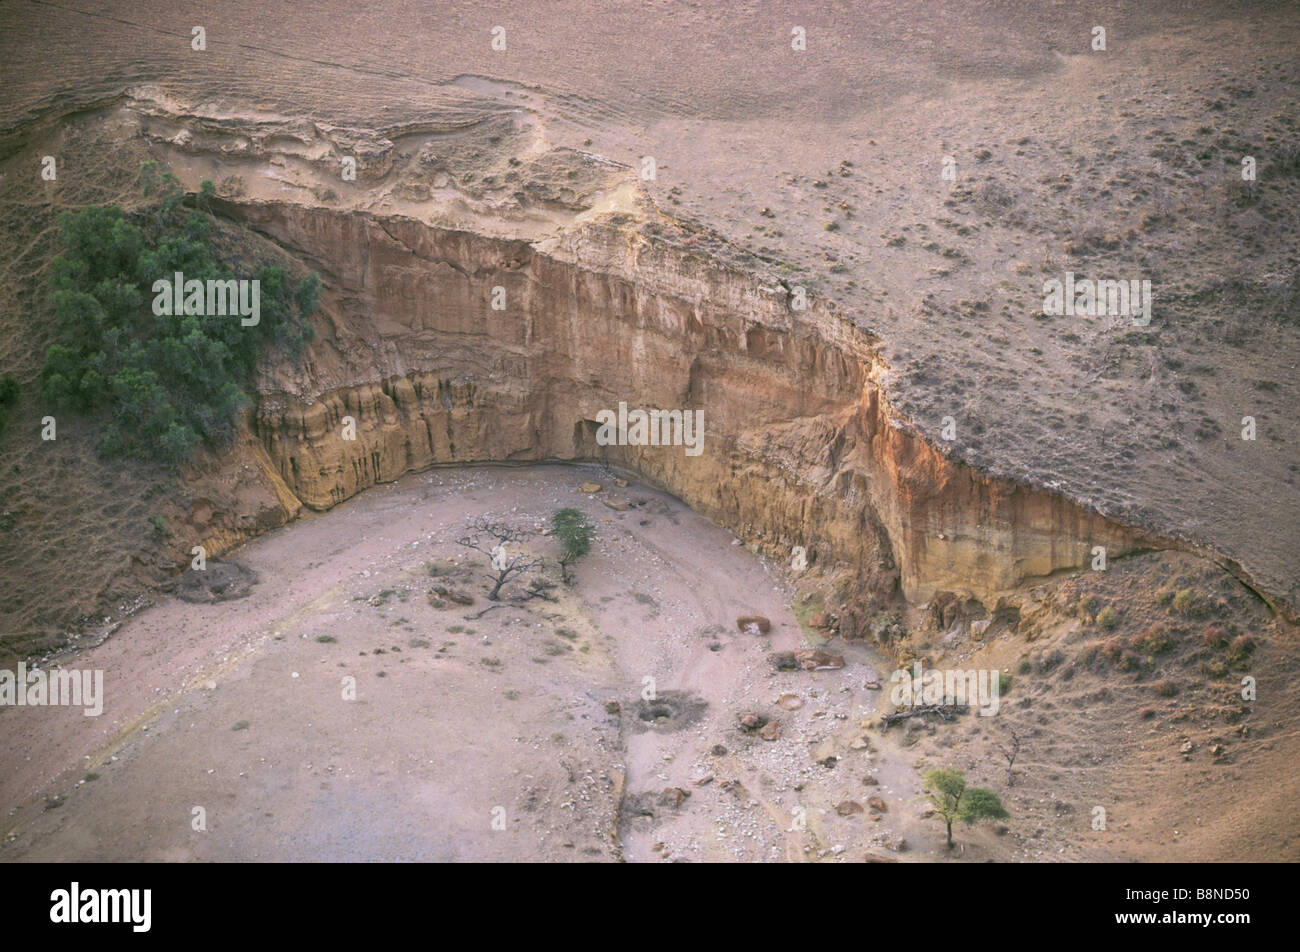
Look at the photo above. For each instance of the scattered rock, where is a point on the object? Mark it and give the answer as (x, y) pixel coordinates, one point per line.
(895, 844)
(790, 702)
(590, 488)
(872, 685)
(784, 661)
(848, 807)
(877, 804)
(870, 781)
(750, 721)
(771, 731)
(703, 781)
(621, 483)
(753, 624)
(718, 751)
(443, 596)
(673, 797)
(877, 858)
(617, 503)
(815, 659)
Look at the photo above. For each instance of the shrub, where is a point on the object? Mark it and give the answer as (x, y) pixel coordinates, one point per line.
(1155, 639)
(1147, 713)
(1025, 666)
(1108, 618)
(165, 383)
(1241, 648)
(1113, 648)
(1186, 602)
(1214, 636)
(1166, 688)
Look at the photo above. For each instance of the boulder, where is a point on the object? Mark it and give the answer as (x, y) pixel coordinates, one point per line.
(815, 659)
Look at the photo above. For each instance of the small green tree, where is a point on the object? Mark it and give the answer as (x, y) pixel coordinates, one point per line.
(573, 530)
(954, 801)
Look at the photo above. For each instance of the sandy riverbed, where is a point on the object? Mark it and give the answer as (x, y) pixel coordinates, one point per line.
(238, 708)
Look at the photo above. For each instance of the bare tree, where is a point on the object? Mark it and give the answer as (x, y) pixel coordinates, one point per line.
(491, 538)
(1010, 751)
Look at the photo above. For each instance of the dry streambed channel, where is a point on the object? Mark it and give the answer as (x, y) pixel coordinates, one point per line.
(349, 706)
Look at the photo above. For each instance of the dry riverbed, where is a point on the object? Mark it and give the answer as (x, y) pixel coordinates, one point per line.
(602, 725)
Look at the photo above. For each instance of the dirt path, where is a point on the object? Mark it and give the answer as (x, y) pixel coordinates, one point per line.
(476, 740)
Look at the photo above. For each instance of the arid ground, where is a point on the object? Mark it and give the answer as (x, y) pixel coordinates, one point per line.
(653, 179)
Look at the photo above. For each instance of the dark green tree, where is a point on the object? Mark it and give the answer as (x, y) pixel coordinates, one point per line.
(163, 383)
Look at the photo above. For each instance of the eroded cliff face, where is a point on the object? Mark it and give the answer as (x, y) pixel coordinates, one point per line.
(800, 446)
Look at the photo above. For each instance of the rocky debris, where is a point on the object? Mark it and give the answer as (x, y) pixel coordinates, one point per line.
(753, 624)
(771, 731)
(783, 661)
(673, 797)
(890, 841)
(872, 685)
(859, 743)
(443, 596)
(621, 483)
(877, 858)
(848, 807)
(789, 702)
(703, 781)
(718, 750)
(751, 721)
(617, 503)
(220, 581)
(870, 781)
(815, 659)
(590, 488)
(877, 804)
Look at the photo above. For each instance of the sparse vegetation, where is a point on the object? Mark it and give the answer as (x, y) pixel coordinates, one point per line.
(1155, 639)
(505, 566)
(1241, 649)
(1186, 602)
